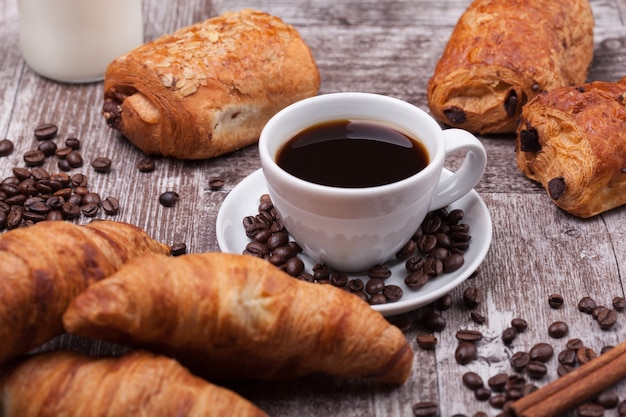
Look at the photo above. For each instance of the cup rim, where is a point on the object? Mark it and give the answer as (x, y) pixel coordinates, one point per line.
(268, 162)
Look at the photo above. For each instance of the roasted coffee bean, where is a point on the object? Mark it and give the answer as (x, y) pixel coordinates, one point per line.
(519, 324)
(257, 249)
(39, 208)
(477, 318)
(64, 165)
(605, 349)
(62, 153)
(146, 165)
(21, 173)
(91, 198)
(519, 360)
(434, 322)
(433, 267)
(508, 335)
(100, 164)
(379, 271)
(169, 198)
(321, 272)
(339, 279)
(515, 382)
(294, 267)
(469, 335)
(472, 380)
(90, 209)
(443, 243)
(355, 285)
(607, 399)
(14, 217)
(33, 217)
(606, 319)
(46, 131)
(416, 280)
(590, 410)
(414, 264)
(392, 293)
(426, 341)
(277, 240)
(586, 305)
(306, 277)
(498, 401)
(472, 297)
(111, 206)
(426, 243)
(455, 115)
(262, 236)
(558, 329)
(74, 159)
(465, 352)
(377, 299)
(597, 310)
(584, 355)
(374, 286)
(453, 262)
(482, 393)
(536, 369)
(574, 344)
(431, 224)
(6, 147)
(498, 382)
(455, 216)
(555, 300)
(567, 357)
(556, 187)
(40, 174)
(178, 248)
(619, 303)
(425, 409)
(47, 147)
(216, 183)
(54, 215)
(73, 143)
(406, 251)
(34, 158)
(445, 302)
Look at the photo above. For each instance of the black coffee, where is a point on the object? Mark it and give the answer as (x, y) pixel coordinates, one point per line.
(352, 154)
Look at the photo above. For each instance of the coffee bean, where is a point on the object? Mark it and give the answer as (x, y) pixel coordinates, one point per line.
(425, 409)
(498, 382)
(46, 131)
(426, 243)
(508, 335)
(379, 271)
(111, 206)
(519, 324)
(62, 153)
(374, 286)
(177, 249)
(416, 280)
(74, 159)
(597, 310)
(414, 264)
(433, 321)
(406, 251)
(469, 335)
(555, 300)
(607, 399)
(472, 380)
(169, 198)
(146, 165)
(392, 293)
(47, 147)
(101, 164)
(574, 344)
(339, 279)
(426, 341)
(482, 393)
(73, 143)
(377, 299)
(453, 262)
(586, 305)
(478, 318)
(294, 267)
(541, 352)
(567, 357)
(34, 158)
(558, 329)
(257, 249)
(355, 285)
(216, 183)
(619, 303)
(562, 370)
(472, 297)
(6, 147)
(90, 209)
(606, 318)
(590, 410)
(433, 267)
(445, 302)
(584, 355)
(519, 360)
(498, 401)
(465, 353)
(536, 369)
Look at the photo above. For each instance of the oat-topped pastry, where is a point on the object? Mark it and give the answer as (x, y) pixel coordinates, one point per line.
(502, 53)
(573, 141)
(209, 88)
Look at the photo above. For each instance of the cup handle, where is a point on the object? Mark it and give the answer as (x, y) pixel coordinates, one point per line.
(467, 176)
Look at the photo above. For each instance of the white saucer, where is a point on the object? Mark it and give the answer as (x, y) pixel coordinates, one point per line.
(243, 201)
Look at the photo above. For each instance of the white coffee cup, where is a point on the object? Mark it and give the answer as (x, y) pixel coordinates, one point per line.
(352, 229)
(75, 40)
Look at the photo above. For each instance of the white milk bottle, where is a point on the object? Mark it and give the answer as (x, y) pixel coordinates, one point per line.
(74, 40)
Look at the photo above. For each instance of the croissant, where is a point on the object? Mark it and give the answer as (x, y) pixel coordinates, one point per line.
(573, 141)
(44, 266)
(136, 384)
(237, 316)
(209, 88)
(502, 53)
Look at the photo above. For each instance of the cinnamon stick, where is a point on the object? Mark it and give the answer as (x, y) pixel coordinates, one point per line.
(576, 387)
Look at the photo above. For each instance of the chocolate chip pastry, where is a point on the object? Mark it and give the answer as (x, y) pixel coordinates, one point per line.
(573, 141)
(209, 88)
(502, 53)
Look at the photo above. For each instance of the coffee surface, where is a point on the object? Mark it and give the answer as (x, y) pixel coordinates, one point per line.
(352, 154)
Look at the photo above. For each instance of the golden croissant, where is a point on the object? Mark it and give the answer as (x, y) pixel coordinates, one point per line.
(43, 267)
(502, 53)
(237, 316)
(137, 384)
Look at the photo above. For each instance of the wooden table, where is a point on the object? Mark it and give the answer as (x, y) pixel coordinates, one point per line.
(388, 47)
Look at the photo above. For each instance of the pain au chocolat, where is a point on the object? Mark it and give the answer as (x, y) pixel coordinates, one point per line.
(573, 141)
(209, 88)
(502, 53)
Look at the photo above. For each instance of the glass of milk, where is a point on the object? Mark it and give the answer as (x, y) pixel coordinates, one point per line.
(74, 40)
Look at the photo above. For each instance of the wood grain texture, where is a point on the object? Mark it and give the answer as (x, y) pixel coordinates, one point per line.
(388, 47)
